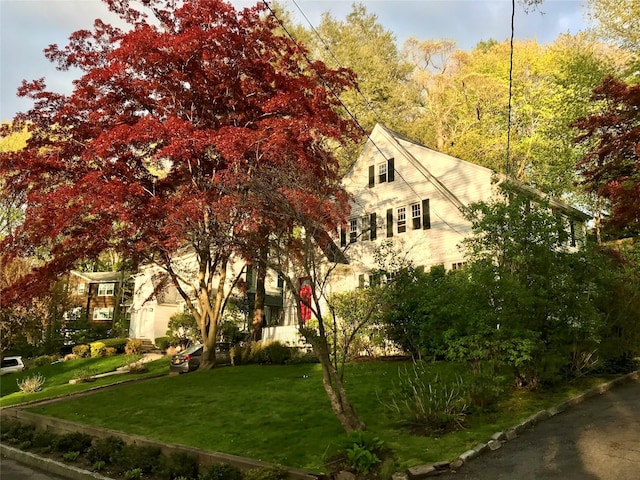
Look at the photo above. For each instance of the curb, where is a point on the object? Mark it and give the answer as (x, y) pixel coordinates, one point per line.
(498, 439)
(48, 465)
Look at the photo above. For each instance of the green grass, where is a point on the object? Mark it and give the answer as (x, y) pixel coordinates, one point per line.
(281, 414)
(58, 375)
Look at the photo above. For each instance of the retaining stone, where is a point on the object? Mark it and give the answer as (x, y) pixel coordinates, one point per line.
(468, 455)
(421, 471)
(456, 464)
(498, 436)
(495, 445)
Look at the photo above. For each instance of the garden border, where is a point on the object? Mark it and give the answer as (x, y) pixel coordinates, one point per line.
(500, 438)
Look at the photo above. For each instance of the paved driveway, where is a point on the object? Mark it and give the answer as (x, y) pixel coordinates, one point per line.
(12, 470)
(595, 440)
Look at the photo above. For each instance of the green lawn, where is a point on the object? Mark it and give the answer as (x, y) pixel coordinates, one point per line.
(281, 414)
(58, 375)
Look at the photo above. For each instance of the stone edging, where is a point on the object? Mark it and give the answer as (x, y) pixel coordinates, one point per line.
(500, 438)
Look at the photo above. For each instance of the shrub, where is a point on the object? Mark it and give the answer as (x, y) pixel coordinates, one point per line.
(110, 352)
(85, 374)
(72, 442)
(17, 432)
(43, 440)
(265, 352)
(43, 360)
(133, 347)
(71, 456)
(273, 473)
(133, 474)
(81, 351)
(106, 450)
(118, 343)
(361, 459)
(31, 384)
(429, 405)
(97, 349)
(178, 464)
(163, 343)
(221, 471)
(143, 457)
(99, 466)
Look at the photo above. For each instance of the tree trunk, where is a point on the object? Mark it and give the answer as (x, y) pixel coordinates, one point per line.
(258, 304)
(335, 389)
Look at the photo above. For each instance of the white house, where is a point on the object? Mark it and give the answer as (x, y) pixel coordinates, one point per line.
(413, 196)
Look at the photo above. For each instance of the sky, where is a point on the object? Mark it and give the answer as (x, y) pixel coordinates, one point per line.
(27, 27)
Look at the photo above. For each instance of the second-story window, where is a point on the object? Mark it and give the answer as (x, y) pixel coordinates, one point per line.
(402, 219)
(353, 230)
(416, 216)
(106, 289)
(382, 172)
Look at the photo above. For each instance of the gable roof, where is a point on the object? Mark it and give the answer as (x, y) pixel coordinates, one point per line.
(396, 140)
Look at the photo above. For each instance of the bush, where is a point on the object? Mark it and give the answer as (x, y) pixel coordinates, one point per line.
(16, 432)
(97, 349)
(163, 343)
(31, 384)
(273, 473)
(72, 442)
(43, 440)
(133, 347)
(85, 374)
(265, 352)
(110, 352)
(105, 450)
(178, 464)
(118, 343)
(144, 457)
(43, 360)
(221, 471)
(81, 351)
(429, 405)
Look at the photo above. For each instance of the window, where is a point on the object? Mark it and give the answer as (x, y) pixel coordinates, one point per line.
(458, 265)
(416, 216)
(366, 227)
(402, 219)
(106, 290)
(102, 314)
(82, 288)
(361, 283)
(280, 281)
(382, 172)
(353, 230)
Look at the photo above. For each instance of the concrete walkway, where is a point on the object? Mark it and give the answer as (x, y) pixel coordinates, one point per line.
(595, 440)
(12, 470)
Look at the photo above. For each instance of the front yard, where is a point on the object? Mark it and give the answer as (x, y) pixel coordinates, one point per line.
(277, 414)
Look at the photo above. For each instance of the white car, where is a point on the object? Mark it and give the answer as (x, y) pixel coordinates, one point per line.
(11, 365)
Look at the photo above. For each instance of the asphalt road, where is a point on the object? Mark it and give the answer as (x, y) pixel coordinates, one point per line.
(595, 440)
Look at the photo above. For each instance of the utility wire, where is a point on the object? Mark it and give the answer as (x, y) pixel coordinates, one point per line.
(324, 82)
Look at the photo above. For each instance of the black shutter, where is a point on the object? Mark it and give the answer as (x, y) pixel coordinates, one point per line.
(343, 237)
(372, 226)
(390, 222)
(372, 176)
(426, 215)
(390, 170)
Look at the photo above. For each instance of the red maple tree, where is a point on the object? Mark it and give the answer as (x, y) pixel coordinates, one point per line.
(164, 146)
(611, 167)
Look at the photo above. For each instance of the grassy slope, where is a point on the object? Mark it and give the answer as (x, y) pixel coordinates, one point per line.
(278, 414)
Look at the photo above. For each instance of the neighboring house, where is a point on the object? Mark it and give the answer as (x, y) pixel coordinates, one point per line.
(402, 192)
(99, 296)
(156, 299)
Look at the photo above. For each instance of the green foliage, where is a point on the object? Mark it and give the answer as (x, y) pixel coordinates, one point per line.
(274, 353)
(178, 464)
(133, 474)
(428, 404)
(273, 473)
(133, 347)
(221, 471)
(106, 450)
(183, 329)
(139, 457)
(361, 459)
(73, 442)
(71, 456)
(163, 343)
(81, 351)
(110, 352)
(43, 360)
(117, 343)
(31, 384)
(98, 466)
(230, 333)
(85, 374)
(97, 349)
